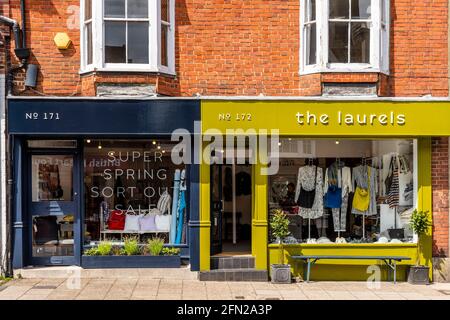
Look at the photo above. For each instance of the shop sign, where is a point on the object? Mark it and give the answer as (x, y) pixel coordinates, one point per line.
(329, 118)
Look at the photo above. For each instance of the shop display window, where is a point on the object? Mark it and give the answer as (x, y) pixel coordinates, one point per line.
(346, 190)
(133, 189)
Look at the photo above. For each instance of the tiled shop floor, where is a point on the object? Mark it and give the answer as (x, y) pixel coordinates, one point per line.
(157, 289)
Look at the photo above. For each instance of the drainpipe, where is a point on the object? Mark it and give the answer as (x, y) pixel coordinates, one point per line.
(20, 51)
(16, 30)
(3, 199)
(24, 32)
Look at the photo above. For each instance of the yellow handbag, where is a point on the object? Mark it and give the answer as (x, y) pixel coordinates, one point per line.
(361, 199)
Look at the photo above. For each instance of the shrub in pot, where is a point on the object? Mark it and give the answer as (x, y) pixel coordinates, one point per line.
(419, 223)
(279, 224)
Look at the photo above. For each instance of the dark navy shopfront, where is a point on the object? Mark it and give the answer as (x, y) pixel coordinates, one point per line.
(90, 173)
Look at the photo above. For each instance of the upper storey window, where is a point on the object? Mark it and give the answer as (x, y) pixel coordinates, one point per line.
(344, 36)
(128, 35)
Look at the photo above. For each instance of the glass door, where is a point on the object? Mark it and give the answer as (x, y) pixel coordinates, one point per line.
(53, 209)
(216, 209)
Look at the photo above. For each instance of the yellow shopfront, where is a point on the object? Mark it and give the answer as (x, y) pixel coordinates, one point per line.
(258, 156)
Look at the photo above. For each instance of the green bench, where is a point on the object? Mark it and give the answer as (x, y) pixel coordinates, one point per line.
(390, 261)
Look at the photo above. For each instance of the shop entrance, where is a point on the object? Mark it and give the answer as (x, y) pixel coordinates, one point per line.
(231, 209)
(52, 196)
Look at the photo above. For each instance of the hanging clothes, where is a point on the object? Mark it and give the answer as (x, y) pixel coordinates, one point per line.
(305, 179)
(243, 184)
(394, 190)
(344, 181)
(360, 177)
(181, 207)
(176, 191)
(386, 161)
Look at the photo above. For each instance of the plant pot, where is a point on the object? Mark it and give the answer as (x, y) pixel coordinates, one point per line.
(280, 273)
(97, 262)
(419, 275)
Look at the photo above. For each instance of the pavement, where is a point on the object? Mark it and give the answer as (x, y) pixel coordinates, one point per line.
(137, 288)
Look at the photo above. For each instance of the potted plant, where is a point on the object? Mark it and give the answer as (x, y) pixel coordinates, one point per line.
(155, 246)
(419, 223)
(279, 224)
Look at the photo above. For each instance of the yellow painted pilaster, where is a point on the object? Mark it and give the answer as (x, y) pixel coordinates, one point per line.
(425, 198)
(259, 212)
(205, 216)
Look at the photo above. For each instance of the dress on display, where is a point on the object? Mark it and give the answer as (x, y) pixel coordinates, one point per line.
(342, 176)
(361, 178)
(393, 194)
(305, 179)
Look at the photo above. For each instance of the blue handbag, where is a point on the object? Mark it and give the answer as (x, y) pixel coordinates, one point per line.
(333, 197)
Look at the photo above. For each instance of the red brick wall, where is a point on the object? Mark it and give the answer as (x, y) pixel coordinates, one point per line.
(440, 186)
(246, 48)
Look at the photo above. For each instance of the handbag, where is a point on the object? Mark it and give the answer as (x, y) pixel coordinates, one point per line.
(390, 177)
(333, 197)
(405, 183)
(306, 198)
(116, 220)
(361, 199)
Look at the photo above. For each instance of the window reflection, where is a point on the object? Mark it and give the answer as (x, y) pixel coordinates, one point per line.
(51, 177)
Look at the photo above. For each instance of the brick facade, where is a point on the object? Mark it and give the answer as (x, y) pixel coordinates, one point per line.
(243, 48)
(440, 186)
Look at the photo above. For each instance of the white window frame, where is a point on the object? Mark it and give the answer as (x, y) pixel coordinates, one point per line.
(98, 40)
(379, 40)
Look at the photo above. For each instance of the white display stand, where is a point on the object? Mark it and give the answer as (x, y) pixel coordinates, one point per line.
(387, 218)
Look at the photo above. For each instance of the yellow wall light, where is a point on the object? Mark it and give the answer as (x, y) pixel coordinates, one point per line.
(62, 40)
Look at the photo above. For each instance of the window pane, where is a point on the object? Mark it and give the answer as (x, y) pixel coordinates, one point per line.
(87, 9)
(360, 43)
(164, 44)
(114, 8)
(53, 236)
(388, 213)
(129, 178)
(52, 144)
(138, 42)
(165, 15)
(383, 11)
(361, 9)
(89, 43)
(311, 44)
(115, 42)
(339, 9)
(137, 9)
(311, 10)
(51, 178)
(338, 42)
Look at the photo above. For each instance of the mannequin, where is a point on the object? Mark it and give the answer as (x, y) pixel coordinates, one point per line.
(306, 177)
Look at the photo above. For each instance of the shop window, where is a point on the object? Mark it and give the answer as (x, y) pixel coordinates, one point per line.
(344, 36)
(130, 187)
(362, 191)
(128, 35)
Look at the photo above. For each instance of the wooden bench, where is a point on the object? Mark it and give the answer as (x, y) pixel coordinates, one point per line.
(390, 261)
